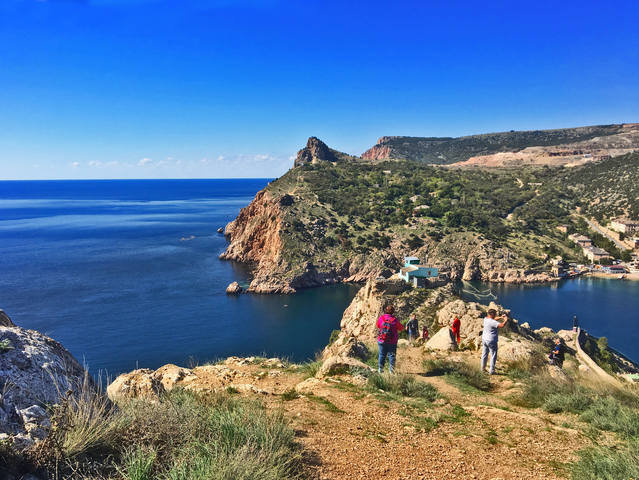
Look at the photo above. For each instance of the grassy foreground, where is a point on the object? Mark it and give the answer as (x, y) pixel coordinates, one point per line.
(184, 436)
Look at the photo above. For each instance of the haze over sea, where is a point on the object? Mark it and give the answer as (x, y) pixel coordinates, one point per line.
(125, 273)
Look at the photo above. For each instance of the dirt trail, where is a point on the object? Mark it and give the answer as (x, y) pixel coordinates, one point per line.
(354, 434)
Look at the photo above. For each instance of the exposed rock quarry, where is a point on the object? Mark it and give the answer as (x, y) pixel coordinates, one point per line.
(35, 371)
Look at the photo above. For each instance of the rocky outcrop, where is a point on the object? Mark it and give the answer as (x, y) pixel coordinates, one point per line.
(317, 151)
(35, 372)
(234, 288)
(236, 374)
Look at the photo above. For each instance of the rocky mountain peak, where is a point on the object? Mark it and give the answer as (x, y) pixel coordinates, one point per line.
(317, 151)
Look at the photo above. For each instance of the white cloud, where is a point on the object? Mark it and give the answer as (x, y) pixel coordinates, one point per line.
(144, 161)
(75, 164)
(95, 163)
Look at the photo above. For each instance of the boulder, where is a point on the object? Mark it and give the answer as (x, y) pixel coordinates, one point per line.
(442, 340)
(515, 349)
(35, 371)
(5, 321)
(140, 383)
(234, 288)
(337, 365)
(308, 386)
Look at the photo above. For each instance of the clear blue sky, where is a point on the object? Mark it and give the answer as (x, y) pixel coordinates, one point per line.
(223, 88)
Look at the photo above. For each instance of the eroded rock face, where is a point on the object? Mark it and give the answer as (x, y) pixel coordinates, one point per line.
(35, 371)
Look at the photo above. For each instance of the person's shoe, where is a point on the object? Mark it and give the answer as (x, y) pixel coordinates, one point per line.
(379, 370)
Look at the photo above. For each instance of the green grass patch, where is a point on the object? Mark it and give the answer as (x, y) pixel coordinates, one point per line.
(461, 374)
(183, 436)
(326, 403)
(401, 385)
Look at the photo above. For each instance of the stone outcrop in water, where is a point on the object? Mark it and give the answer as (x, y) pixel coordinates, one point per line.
(35, 372)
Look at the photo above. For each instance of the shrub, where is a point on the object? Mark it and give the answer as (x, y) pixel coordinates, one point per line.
(605, 463)
(575, 402)
(607, 413)
(539, 388)
(404, 385)
(183, 436)
(461, 374)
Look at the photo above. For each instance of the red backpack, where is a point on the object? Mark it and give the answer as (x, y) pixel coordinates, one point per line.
(386, 330)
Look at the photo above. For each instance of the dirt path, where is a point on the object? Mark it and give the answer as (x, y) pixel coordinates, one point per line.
(354, 434)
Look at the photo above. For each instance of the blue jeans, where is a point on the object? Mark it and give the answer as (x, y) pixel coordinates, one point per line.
(386, 349)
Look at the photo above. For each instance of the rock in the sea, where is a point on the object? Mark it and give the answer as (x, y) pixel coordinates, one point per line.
(35, 371)
(234, 288)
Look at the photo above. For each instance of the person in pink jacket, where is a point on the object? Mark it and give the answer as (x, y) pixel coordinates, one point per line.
(388, 327)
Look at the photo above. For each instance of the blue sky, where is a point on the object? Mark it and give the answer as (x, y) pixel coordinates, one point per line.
(222, 88)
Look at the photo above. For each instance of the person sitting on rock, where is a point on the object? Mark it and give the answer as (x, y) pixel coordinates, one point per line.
(455, 329)
(557, 354)
(388, 327)
(490, 339)
(412, 326)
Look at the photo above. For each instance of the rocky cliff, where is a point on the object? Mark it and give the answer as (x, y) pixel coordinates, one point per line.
(35, 373)
(568, 146)
(317, 151)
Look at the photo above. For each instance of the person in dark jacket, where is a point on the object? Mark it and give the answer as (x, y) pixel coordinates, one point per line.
(412, 327)
(558, 353)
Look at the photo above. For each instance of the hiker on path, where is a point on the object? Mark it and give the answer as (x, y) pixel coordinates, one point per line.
(412, 326)
(456, 327)
(388, 327)
(558, 353)
(489, 339)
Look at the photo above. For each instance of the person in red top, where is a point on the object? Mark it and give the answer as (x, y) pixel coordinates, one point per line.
(388, 327)
(455, 329)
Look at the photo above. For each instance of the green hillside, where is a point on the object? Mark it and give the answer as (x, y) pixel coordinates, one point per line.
(448, 150)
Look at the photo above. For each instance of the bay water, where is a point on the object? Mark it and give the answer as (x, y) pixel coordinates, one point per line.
(126, 274)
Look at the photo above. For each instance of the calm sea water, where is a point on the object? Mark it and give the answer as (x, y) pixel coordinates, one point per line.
(604, 307)
(126, 274)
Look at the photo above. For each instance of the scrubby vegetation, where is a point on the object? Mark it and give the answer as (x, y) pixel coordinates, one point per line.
(450, 150)
(458, 373)
(184, 436)
(401, 385)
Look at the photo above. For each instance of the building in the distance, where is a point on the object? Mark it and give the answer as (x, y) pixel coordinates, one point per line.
(580, 240)
(417, 273)
(595, 254)
(563, 228)
(624, 225)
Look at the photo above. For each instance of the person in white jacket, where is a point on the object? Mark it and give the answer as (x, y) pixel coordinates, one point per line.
(490, 338)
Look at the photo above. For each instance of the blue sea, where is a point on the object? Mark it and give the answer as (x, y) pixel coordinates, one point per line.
(126, 274)
(605, 307)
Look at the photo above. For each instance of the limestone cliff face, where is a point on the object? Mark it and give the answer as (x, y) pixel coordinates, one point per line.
(255, 239)
(35, 370)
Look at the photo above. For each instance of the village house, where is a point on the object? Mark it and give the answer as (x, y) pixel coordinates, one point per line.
(614, 269)
(417, 274)
(580, 240)
(559, 267)
(624, 225)
(595, 254)
(563, 228)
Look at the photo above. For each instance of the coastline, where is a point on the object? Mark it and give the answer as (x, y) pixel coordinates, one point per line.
(614, 276)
